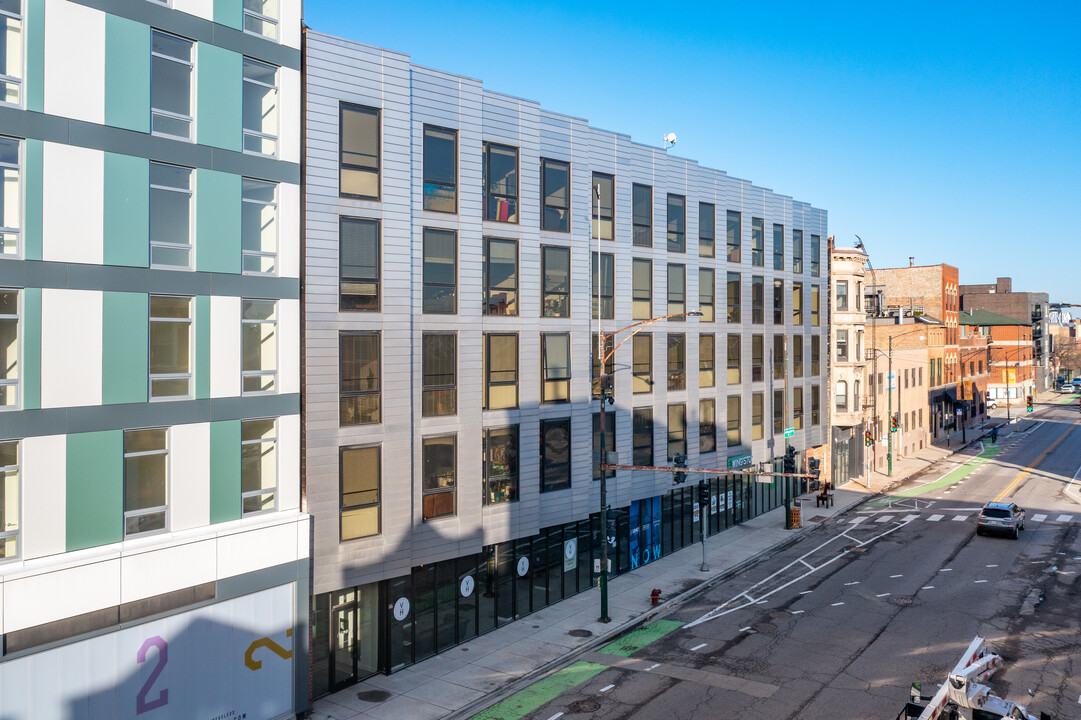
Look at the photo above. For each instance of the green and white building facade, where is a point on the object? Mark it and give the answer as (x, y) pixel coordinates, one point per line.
(153, 552)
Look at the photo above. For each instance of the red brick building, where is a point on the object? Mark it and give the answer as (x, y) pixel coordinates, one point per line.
(1012, 363)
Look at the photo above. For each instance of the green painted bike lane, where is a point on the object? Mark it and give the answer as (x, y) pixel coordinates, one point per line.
(547, 689)
(949, 479)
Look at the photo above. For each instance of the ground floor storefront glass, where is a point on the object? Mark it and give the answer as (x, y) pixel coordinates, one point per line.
(386, 626)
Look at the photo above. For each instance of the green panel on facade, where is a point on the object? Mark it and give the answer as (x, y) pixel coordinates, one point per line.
(35, 55)
(127, 74)
(95, 489)
(202, 346)
(229, 13)
(217, 221)
(124, 348)
(33, 158)
(127, 210)
(219, 87)
(225, 471)
(31, 367)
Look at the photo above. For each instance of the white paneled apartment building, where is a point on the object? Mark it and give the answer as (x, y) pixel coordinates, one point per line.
(461, 249)
(153, 556)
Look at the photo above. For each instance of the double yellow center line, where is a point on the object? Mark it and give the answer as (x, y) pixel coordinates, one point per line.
(1034, 463)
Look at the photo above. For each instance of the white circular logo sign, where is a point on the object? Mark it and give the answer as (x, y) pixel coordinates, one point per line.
(401, 609)
(523, 566)
(570, 549)
(467, 586)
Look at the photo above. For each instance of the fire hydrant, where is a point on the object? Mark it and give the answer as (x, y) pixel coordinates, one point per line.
(655, 597)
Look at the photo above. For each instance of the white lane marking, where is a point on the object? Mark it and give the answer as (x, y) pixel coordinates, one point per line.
(1064, 518)
(959, 518)
(990, 565)
(1037, 562)
(760, 602)
(1070, 489)
(806, 592)
(698, 647)
(948, 490)
(807, 563)
(895, 576)
(882, 595)
(856, 520)
(796, 612)
(908, 518)
(883, 518)
(857, 582)
(980, 581)
(606, 688)
(928, 587)
(745, 629)
(1039, 518)
(946, 570)
(557, 715)
(654, 666)
(836, 604)
(935, 518)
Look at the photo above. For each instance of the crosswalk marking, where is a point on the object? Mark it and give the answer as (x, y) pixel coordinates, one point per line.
(856, 521)
(908, 518)
(1039, 518)
(958, 518)
(883, 518)
(935, 518)
(1064, 518)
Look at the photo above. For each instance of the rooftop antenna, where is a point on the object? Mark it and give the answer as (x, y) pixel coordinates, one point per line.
(669, 141)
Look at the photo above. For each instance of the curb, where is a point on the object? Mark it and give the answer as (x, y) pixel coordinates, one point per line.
(567, 658)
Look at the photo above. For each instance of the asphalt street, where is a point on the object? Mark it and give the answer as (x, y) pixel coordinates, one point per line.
(841, 623)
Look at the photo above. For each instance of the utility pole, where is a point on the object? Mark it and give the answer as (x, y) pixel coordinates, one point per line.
(889, 409)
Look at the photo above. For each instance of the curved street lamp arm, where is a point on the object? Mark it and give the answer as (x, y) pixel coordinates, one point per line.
(638, 327)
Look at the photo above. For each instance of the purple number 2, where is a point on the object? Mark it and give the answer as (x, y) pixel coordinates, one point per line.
(141, 705)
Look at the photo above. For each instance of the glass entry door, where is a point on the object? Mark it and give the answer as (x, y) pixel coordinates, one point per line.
(343, 638)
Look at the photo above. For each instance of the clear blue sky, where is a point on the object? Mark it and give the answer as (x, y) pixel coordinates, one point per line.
(950, 132)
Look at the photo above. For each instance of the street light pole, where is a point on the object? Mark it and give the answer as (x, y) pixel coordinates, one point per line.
(889, 409)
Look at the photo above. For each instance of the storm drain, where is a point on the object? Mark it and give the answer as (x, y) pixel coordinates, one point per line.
(374, 696)
(580, 633)
(588, 705)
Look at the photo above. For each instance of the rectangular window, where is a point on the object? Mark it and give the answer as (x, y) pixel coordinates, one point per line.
(146, 463)
(757, 361)
(641, 289)
(10, 185)
(361, 378)
(11, 55)
(501, 181)
(758, 300)
(642, 215)
(440, 169)
(258, 465)
(643, 363)
(170, 216)
(259, 227)
(706, 294)
(9, 350)
(677, 430)
(500, 371)
(778, 357)
(555, 367)
(797, 251)
(816, 356)
(358, 242)
(797, 356)
(842, 294)
(260, 111)
(9, 500)
(707, 426)
(643, 436)
(677, 223)
(604, 286)
(170, 347)
(438, 475)
(171, 69)
(734, 231)
(555, 437)
(797, 408)
(604, 194)
(734, 353)
(733, 298)
(261, 18)
(361, 471)
(816, 244)
(358, 151)
(756, 416)
(814, 306)
(677, 361)
(778, 247)
(842, 349)
(677, 290)
(778, 412)
(734, 439)
(500, 465)
(707, 359)
(439, 394)
(440, 273)
(815, 403)
(707, 229)
(556, 285)
(609, 365)
(556, 195)
(758, 242)
(797, 303)
(609, 441)
(778, 302)
(500, 277)
(259, 333)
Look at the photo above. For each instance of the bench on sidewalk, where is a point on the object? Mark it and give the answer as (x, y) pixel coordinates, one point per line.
(824, 498)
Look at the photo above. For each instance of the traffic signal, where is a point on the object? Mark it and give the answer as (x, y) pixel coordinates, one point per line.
(680, 461)
(814, 465)
(790, 460)
(893, 423)
(703, 494)
(867, 440)
(1028, 400)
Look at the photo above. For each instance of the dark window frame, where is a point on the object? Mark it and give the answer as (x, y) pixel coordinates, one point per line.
(555, 298)
(378, 503)
(735, 340)
(778, 246)
(732, 233)
(366, 110)
(563, 225)
(641, 454)
(426, 283)
(437, 390)
(548, 379)
(816, 255)
(677, 437)
(735, 309)
(488, 383)
(488, 287)
(597, 278)
(640, 230)
(513, 200)
(637, 295)
(596, 217)
(707, 303)
(734, 436)
(676, 366)
(707, 231)
(645, 339)
(452, 490)
(758, 300)
(707, 429)
(377, 280)
(343, 394)
(676, 301)
(797, 251)
(758, 242)
(677, 237)
(778, 301)
(554, 476)
(511, 479)
(707, 362)
(442, 184)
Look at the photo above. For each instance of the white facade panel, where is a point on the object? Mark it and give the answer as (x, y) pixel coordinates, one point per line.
(289, 346)
(289, 122)
(71, 344)
(289, 230)
(198, 8)
(45, 597)
(289, 462)
(73, 202)
(74, 63)
(189, 476)
(255, 549)
(146, 574)
(44, 471)
(225, 341)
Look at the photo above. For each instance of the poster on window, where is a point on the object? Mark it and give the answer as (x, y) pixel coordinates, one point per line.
(635, 535)
(231, 660)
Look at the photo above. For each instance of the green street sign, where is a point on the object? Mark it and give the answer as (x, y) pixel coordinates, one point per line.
(789, 432)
